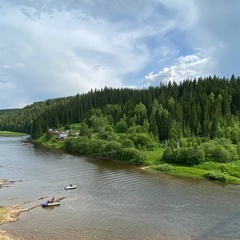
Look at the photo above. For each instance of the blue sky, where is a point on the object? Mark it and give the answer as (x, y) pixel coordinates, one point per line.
(58, 48)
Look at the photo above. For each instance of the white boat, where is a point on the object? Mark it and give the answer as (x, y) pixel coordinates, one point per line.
(50, 204)
(69, 187)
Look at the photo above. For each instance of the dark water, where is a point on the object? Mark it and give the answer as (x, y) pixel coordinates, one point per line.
(112, 200)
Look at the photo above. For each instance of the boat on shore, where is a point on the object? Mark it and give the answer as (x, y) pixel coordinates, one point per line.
(70, 186)
(51, 203)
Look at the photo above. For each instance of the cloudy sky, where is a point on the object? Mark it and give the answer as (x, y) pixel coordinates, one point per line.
(58, 48)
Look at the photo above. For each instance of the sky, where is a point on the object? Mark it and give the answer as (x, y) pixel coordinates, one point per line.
(58, 48)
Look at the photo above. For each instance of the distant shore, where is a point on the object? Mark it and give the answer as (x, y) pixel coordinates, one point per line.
(11, 134)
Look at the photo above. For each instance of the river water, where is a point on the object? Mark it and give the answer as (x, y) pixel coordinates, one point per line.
(112, 200)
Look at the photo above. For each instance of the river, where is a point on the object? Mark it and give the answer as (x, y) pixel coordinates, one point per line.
(112, 200)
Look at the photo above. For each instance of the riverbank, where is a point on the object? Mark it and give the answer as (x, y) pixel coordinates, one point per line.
(6, 236)
(11, 134)
(7, 214)
(11, 214)
(225, 173)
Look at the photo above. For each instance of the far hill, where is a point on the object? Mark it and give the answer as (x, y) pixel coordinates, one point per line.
(203, 107)
(194, 123)
(3, 111)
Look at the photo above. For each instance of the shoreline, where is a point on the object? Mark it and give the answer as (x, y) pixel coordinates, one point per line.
(10, 214)
(6, 236)
(176, 170)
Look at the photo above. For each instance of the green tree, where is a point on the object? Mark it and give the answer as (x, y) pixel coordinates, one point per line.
(121, 126)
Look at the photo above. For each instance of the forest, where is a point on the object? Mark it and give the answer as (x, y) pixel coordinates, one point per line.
(194, 123)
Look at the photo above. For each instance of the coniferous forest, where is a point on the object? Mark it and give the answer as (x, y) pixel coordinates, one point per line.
(195, 122)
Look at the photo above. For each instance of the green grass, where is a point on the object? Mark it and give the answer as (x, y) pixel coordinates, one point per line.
(154, 157)
(153, 160)
(197, 172)
(75, 126)
(52, 143)
(183, 171)
(232, 168)
(11, 134)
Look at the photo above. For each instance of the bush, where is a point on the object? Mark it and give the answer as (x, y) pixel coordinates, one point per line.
(143, 140)
(217, 175)
(121, 126)
(221, 154)
(94, 146)
(188, 156)
(164, 167)
(132, 156)
(168, 155)
(126, 142)
(67, 127)
(79, 145)
(220, 150)
(210, 165)
(111, 149)
(238, 149)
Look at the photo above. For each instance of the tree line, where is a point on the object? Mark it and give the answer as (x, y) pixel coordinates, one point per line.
(207, 107)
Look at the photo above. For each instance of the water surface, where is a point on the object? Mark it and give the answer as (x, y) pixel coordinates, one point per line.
(112, 200)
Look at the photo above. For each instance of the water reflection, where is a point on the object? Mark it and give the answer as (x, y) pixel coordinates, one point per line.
(112, 200)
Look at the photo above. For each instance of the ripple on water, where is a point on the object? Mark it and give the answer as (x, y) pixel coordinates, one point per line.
(112, 200)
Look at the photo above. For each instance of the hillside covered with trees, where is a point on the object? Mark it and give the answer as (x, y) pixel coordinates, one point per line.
(195, 122)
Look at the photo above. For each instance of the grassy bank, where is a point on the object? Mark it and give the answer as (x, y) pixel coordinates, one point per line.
(153, 162)
(11, 134)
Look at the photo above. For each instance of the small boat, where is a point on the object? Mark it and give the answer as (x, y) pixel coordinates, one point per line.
(50, 204)
(69, 187)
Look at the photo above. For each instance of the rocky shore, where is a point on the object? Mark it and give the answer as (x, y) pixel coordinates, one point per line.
(11, 214)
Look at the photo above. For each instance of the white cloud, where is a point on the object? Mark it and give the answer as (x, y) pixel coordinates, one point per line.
(55, 48)
(14, 66)
(187, 67)
(218, 34)
(212, 30)
(58, 52)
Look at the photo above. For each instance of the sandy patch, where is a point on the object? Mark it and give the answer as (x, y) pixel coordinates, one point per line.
(5, 236)
(2, 181)
(11, 214)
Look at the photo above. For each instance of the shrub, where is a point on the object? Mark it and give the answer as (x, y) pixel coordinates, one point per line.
(164, 167)
(221, 154)
(67, 127)
(111, 149)
(220, 150)
(238, 148)
(127, 143)
(188, 156)
(210, 165)
(94, 146)
(133, 156)
(167, 155)
(121, 126)
(143, 139)
(217, 175)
